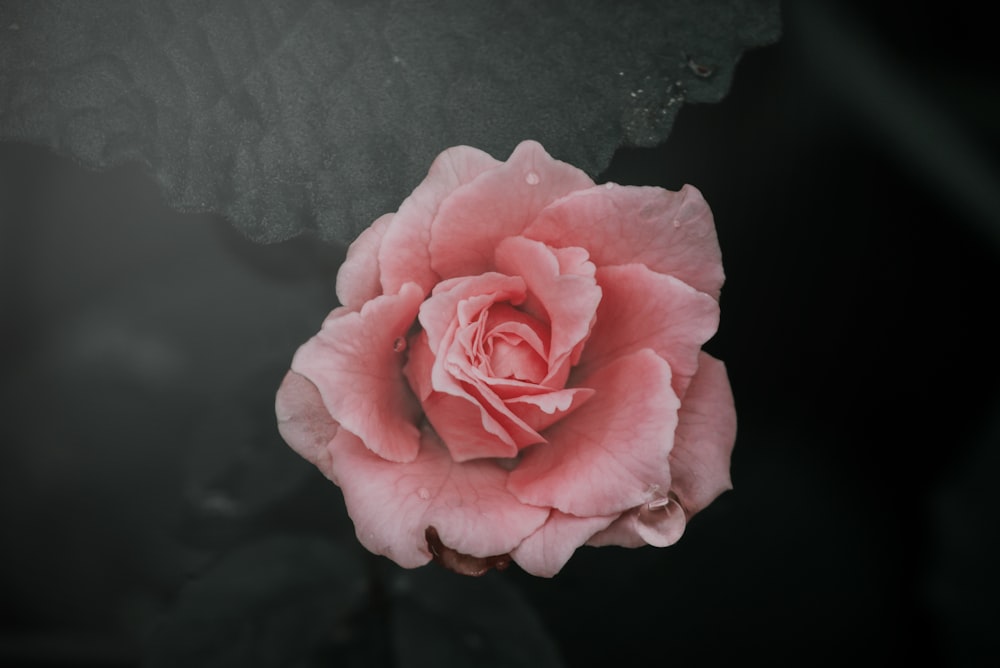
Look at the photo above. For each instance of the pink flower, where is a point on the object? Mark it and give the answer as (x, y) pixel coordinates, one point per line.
(516, 369)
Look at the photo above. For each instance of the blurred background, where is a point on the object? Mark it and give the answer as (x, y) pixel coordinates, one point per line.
(151, 515)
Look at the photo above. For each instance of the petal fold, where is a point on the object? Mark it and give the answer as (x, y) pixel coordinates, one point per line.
(546, 551)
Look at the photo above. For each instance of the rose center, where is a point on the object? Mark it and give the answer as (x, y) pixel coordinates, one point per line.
(515, 360)
(511, 344)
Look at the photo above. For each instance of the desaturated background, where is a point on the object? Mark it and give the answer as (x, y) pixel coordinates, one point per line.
(853, 175)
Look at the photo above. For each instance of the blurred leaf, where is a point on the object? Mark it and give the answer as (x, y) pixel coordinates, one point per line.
(323, 115)
(277, 602)
(444, 619)
(140, 354)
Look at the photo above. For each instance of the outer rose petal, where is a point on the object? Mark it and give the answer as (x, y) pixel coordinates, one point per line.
(404, 255)
(669, 232)
(303, 420)
(393, 504)
(644, 309)
(498, 204)
(612, 456)
(706, 433)
(546, 551)
(699, 464)
(357, 279)
(354, 365)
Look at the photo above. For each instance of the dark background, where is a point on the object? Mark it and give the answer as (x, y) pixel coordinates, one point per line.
(147, 502)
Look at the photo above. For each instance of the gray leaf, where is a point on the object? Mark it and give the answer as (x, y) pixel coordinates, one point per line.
(307, 115)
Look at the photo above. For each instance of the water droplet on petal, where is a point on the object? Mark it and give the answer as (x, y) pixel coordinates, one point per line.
(424, 493)
(661, 521)
(399, 345)
(609, 185)
(532, 178)
(677, 223)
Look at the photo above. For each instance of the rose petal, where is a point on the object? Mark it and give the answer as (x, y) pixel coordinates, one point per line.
(469, 429)
(393, 504)
(440, 314)
(303, 420)
(461, 420)
(514, 344)
(574, 260)
(568, 301)
(546, 551)
(503, 343)
(470, 417)
(498, 204)
(669, 232)
(419, 365)
(358, 277)
(404, 255)
(699, 464)
(358, 372)
(517, 360)
(613, 455)
(706, 433)
(644, 309)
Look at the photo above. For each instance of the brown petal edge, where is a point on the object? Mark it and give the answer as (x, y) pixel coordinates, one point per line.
(463, 564)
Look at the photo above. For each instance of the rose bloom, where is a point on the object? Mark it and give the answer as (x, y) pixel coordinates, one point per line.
(516, 369)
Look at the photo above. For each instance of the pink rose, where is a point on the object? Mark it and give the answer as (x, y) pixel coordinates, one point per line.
(516, 369)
